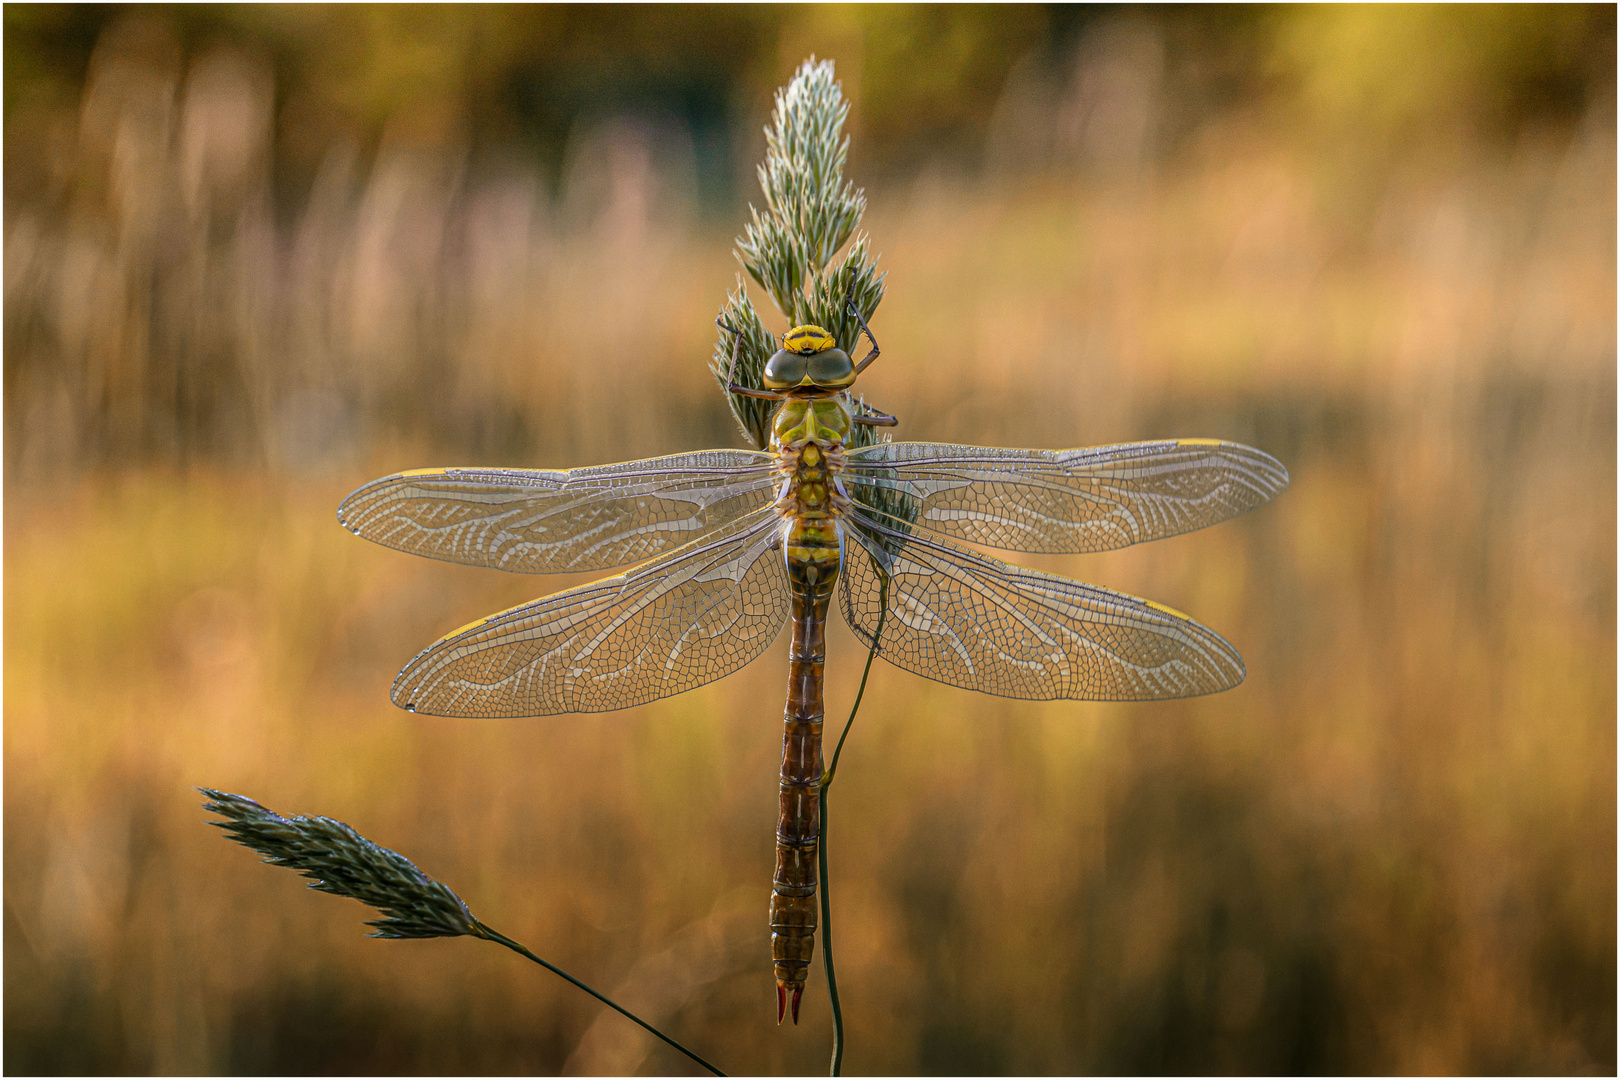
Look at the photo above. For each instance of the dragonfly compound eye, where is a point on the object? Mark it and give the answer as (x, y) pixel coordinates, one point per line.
(831, 368)
(785, 369)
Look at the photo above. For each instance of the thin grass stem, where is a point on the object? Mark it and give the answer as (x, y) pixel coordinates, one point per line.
(821, 846)
(338, 860)
(480, 930)
(826, 945)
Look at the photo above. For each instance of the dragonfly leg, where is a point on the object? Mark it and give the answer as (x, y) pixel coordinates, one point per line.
(731, 369)
(875, 420)
(856, 311)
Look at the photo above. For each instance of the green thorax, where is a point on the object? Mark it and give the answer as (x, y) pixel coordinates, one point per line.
(806, 420)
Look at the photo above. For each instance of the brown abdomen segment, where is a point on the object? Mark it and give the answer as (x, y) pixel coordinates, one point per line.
(812, 570)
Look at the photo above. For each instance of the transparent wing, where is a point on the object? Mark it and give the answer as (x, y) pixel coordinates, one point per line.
(541, 522)
(1063, 500)
(972, 621)
(671, 625)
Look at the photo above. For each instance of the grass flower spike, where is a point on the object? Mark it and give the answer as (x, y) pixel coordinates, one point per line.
(340, 861)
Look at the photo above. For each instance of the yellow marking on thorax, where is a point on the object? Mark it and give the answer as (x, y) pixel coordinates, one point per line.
(800, 421)
(807, 437)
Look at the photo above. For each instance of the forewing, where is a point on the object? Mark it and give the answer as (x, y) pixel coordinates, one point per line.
(671, 625)
(1064, 500)
(971, 621)
(540, 522)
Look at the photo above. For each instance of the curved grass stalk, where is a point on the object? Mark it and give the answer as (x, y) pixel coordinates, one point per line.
(480, 930)
(338, 860)
(826, 888)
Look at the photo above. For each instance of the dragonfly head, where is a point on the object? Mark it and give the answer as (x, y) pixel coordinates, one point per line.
(809, 359)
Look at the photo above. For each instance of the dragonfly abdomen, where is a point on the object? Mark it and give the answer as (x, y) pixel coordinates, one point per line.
(811, 548)
(812, 562)
(808, 442)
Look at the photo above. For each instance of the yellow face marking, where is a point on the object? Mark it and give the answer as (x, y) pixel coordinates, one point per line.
(808, 339)
(1198, 442)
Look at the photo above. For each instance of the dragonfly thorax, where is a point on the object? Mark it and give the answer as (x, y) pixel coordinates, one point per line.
(808, 441)
(810, 420)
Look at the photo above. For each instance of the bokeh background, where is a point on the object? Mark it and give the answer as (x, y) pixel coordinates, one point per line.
(257, 256)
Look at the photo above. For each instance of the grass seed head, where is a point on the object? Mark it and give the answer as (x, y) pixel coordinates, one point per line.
(339, 860)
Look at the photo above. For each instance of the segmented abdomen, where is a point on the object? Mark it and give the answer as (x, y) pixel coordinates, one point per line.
(811, 547)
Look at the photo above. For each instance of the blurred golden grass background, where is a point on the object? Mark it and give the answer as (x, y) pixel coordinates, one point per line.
(256, 257)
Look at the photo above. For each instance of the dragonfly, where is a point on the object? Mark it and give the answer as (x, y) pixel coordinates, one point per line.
(727, 546)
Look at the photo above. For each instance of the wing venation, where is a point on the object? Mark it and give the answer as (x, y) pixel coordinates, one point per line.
(1056, 501)
(686, 619)
(541, 522)
(962, 618)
